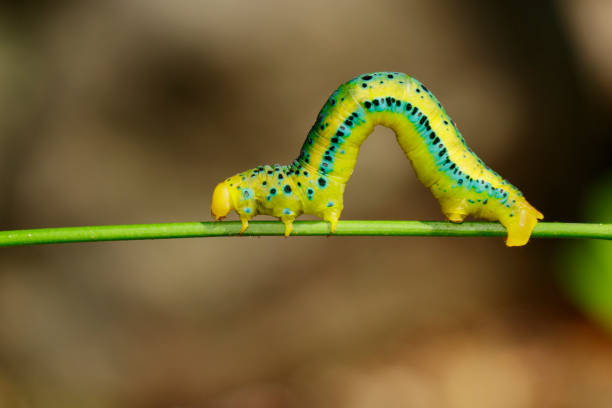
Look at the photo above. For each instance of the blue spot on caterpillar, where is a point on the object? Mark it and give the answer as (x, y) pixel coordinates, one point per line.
(314, 183)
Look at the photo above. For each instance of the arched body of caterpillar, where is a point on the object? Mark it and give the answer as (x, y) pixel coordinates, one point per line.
(314, 183)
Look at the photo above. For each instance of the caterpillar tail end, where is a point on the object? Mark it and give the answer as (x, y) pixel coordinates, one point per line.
(520, 228)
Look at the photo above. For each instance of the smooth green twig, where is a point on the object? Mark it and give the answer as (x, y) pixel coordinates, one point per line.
(300, 228)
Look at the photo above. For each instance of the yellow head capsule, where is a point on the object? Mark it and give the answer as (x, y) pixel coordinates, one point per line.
(221, 201)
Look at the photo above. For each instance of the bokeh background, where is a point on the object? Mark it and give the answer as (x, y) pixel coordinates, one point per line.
(130, 111)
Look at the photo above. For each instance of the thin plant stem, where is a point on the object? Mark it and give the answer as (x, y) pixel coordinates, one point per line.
(300, 228)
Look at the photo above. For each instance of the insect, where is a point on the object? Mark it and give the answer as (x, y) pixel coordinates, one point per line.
(314, 183)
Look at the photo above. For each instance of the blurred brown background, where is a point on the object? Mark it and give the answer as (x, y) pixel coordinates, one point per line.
(129, 111)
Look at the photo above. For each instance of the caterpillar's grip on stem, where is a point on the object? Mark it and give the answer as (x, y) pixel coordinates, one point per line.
(314, 183)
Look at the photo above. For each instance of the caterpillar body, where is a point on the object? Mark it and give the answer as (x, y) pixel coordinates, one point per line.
(314, 183)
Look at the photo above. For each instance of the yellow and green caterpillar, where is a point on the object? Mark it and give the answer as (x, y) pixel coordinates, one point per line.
(314, 183)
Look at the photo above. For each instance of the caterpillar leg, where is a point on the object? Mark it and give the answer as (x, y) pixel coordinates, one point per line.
(288, 221)
(455, 217)
(245, 224)
(520, 228)
(332, 218)
(454, 210)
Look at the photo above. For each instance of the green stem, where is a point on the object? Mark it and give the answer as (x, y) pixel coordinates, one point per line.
(345, 228)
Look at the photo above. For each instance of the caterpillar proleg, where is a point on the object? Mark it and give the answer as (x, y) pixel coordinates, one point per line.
(314, 183)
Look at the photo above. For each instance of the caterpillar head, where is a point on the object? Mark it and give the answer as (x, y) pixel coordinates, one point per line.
(237, 193)
(221, 201)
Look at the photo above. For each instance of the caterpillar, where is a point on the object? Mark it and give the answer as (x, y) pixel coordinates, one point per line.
(314, 183)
